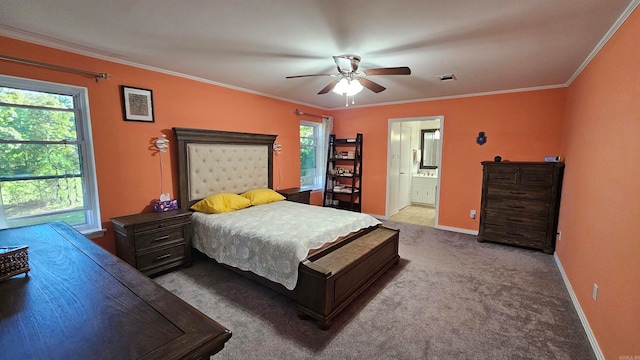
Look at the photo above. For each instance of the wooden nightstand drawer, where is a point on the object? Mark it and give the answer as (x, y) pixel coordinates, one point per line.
(160, 257)
(297, 195)
(158, 225)
(152, 242)
(159, 238)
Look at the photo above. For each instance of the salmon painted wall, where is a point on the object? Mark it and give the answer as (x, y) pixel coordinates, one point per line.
(127, 170)
(601, 196)
(523, 126)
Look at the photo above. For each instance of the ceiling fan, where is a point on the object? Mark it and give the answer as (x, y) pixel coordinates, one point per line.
(351, 80)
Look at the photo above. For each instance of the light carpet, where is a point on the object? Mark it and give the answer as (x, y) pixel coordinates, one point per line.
(450, 297)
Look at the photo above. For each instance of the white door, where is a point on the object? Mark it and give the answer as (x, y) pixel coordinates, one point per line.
(394, 168)
(406, 159)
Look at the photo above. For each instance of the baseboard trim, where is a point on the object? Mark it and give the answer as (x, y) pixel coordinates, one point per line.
(458, 230)
(581, 315)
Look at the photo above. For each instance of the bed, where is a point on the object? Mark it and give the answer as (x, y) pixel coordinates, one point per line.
(355, 250)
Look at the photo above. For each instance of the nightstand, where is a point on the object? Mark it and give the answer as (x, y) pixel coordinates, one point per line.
(296, 195)
(155, 241)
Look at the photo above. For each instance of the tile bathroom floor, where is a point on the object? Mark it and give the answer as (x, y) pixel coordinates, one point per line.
(424, 215)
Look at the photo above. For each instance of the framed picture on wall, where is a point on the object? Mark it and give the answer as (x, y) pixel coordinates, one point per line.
(137, 104)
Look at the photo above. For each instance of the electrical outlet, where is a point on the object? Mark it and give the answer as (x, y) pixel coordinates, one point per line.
(595, 292)
(558, 235)
(472, 214)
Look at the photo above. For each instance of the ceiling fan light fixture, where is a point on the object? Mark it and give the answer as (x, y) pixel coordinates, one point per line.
(347, 87)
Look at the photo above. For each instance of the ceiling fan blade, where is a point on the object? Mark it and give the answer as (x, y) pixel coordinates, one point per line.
(375, 87)
(402, 70)
(329, 87)
(299, 76)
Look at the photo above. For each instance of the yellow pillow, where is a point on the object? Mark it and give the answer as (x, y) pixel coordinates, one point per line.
(221, 203)
(262, 196)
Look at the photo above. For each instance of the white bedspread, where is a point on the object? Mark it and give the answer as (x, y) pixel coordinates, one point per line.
(270, 240)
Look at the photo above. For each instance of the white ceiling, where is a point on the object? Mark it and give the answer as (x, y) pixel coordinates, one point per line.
(490, 45)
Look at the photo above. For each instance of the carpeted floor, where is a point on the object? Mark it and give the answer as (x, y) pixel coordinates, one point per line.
(450, 297)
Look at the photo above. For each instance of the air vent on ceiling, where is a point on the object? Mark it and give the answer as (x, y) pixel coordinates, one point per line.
(447, 77)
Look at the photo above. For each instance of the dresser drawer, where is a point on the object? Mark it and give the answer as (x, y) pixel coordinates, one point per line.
(515, 220)
(514, 235)
(161, 257)
(530, 178)
(159, 238)
(536, 208)
(519, 192)
(159, 224)
(502, 178)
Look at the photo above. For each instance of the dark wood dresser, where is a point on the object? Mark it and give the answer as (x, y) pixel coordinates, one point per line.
(81, 302)
(154, 241)
(520, 203)
(296, 195)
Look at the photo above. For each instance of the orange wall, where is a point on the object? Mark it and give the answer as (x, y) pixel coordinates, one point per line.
(522, 126)
(127, 171)
(519, 126)
(600, 208)
(599, 141)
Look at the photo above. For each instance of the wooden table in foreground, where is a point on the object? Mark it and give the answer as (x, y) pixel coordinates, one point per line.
(81, 302)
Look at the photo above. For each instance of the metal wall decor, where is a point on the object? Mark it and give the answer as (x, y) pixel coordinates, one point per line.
(481, 139)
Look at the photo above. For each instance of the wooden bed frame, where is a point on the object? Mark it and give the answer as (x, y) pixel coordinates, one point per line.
(329, 279)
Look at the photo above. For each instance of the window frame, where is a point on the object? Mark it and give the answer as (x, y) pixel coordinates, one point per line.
(319, 145)
(84, 138)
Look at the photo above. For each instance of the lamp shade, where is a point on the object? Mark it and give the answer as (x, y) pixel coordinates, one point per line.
(347, 87)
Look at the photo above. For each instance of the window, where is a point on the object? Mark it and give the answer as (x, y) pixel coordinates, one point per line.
(47, 170)
(311, 150)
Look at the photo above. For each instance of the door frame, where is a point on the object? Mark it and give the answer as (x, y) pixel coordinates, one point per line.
(439, 159)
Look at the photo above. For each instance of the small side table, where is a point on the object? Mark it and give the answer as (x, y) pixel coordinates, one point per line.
(155, 241)
(297, 195)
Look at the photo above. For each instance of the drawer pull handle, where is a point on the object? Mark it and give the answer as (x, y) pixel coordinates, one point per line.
(513, 234)
(517, 192)
(514, 220)
(161, 257)
(502, 178)
(516, 207)
(161, 238)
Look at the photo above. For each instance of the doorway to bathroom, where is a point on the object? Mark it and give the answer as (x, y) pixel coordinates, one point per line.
(414, 170)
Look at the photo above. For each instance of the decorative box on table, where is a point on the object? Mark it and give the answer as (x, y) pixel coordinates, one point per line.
(14, 260)
(166, 205)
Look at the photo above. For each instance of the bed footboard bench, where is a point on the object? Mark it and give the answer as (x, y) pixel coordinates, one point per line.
(342, 274)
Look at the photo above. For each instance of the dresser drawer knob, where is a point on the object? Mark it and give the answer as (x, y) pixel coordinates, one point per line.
(161, 238)
(162, 257)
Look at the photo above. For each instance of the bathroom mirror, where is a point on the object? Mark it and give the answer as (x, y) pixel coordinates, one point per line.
(430, 144)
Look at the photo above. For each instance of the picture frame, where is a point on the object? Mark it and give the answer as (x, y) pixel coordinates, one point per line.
(137, 104)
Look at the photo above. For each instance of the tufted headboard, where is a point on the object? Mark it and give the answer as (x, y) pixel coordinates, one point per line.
(211, 162)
